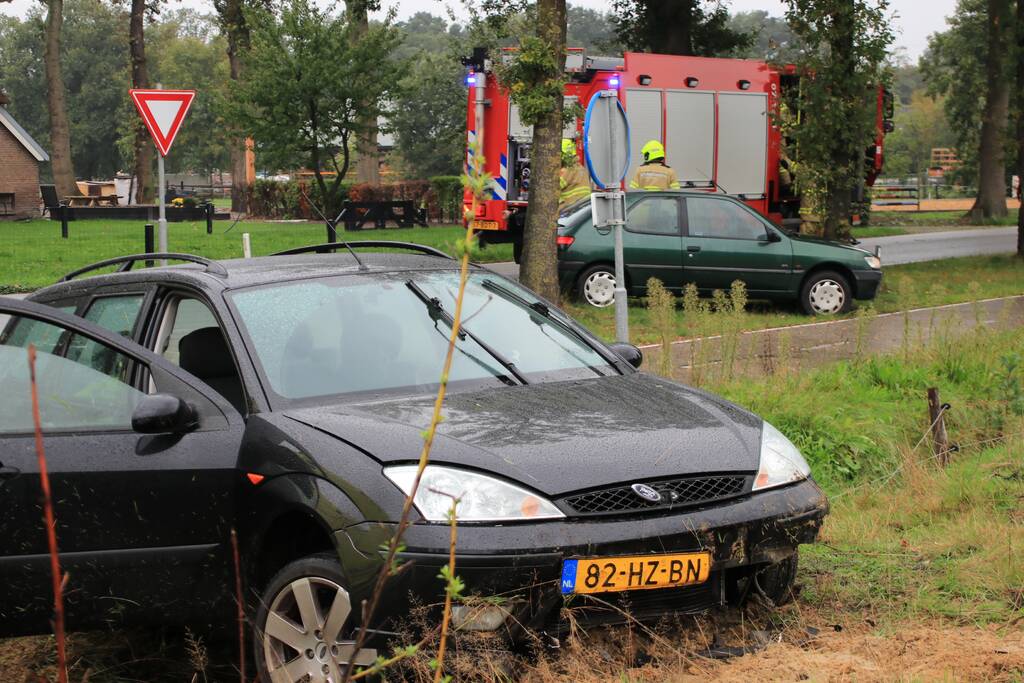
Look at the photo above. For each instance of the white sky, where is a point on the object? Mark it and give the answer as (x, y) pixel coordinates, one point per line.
(915, 19)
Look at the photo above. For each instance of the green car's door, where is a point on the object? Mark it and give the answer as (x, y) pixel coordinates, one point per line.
(652, 240)
(726, 240)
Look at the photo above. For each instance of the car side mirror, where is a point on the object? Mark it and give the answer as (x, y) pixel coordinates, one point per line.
(771, 236)
(163, 414)
(628, 353)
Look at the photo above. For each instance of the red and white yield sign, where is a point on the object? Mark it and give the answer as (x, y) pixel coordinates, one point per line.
(163, 111)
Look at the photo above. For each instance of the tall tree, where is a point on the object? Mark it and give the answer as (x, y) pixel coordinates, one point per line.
(954, 68)
(677, 27)
(234, 26)
(367, 152)
(1020, 125)
(308, 73)
(60, 133)
(991, 200)
(844, 64)
(143, 147)
(537, 80)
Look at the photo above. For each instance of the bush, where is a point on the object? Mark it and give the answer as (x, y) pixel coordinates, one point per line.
(448, 192)
(283, 199)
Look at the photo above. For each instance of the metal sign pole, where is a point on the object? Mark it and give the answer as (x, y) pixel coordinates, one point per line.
(162, 194)
(621, 304)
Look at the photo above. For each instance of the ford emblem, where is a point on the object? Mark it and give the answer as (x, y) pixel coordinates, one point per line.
(646, 492)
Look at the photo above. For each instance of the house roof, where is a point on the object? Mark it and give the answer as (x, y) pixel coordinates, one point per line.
(22, 136)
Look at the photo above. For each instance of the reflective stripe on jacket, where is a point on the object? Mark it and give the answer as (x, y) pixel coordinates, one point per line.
(654, 176)
(573, 185)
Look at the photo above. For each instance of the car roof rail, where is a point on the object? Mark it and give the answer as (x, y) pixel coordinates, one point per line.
(128, 261)
(388, 244)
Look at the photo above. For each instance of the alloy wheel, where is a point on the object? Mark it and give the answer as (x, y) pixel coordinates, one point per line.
(599, 289)
(302, 636)
(827, 296)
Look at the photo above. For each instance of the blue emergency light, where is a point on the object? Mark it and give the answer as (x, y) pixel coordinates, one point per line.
(613, 82)
(471, 79)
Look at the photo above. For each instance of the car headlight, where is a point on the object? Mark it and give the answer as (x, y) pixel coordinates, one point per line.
(481, 498)
(873, 262)
(781, 462)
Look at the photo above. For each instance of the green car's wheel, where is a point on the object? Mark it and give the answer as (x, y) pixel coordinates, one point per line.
(597, 286)
(826, 293)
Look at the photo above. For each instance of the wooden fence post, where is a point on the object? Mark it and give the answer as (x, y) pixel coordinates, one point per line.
(936, 418)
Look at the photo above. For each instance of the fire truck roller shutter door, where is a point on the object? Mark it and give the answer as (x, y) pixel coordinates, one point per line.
(643, 111)
(743, 143)
(690, 135)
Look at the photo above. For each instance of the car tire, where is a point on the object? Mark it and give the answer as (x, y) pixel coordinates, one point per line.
(596, 286)
(826, 292)
(296, 614)
(776, 581)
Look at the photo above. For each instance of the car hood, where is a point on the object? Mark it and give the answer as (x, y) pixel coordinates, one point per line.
(559, 437)
(822, 241)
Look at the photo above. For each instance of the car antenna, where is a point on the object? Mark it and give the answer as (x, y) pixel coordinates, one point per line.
(332, 228)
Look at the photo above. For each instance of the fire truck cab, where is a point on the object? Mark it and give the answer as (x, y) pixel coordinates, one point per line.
(717, 118)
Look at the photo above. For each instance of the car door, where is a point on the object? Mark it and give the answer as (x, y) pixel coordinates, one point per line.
(652, 240)
(143, 520)
(726, 241)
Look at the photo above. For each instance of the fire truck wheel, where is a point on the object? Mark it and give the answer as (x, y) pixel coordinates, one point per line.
(826, 292)
(597, 286)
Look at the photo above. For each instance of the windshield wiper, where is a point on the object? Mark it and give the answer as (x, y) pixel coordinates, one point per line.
(437, 312)
(541, 309)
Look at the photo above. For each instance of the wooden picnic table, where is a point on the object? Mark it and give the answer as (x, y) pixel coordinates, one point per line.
(91, 200)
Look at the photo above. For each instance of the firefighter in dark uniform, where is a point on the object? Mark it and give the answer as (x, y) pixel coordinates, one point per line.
(655, 174)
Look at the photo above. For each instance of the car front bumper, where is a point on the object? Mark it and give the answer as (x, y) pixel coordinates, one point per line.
(866, 283)
(521, 563)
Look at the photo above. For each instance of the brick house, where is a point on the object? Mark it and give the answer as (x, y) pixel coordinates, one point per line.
(20, 157)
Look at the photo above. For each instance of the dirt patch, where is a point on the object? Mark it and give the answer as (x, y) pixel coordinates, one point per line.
(962, 204)
(917, 653)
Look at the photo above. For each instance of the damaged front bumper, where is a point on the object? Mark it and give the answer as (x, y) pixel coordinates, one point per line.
(519, 565)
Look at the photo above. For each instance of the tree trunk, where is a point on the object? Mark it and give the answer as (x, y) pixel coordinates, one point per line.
(1020, 127)
(367, 152)
(991, 200)
(233, 23)
(60, 132)
(670, 24)
(847, 151)
(140, 79)
(539, 269)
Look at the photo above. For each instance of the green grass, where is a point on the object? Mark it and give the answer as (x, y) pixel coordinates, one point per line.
(906, 538)
(878, 231)
(32, 253)
(914, 285)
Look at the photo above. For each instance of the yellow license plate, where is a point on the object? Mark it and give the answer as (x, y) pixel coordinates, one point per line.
(486, 225)
(610, 574)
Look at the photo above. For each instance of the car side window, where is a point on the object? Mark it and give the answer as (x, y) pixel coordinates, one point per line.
(87, 392)
(115, 313)
(711, 217)
(191, 338)
(24, 331)
(654, 215)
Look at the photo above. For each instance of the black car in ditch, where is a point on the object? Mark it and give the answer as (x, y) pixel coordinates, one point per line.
(285, 397)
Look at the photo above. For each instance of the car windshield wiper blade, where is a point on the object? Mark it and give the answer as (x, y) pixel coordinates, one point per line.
(437, 312)
(540, 308)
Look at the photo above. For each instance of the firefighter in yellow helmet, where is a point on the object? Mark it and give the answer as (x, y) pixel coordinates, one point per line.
(655, 174)
(573, 184)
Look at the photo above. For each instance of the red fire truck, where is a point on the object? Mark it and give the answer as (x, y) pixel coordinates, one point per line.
(716, 118)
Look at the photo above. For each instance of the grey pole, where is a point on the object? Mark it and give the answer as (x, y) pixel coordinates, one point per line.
(162, 192)
(621, 304)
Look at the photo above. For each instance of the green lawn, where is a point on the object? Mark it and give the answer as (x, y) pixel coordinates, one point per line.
(32, 253)
(914, 285)
(948, 220)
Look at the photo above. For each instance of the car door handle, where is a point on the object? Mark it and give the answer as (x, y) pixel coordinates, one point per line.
(693, 249)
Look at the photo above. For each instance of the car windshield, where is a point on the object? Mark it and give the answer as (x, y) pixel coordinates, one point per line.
(359, 333)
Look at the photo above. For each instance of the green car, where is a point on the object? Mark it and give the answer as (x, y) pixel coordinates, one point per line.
(710, 240)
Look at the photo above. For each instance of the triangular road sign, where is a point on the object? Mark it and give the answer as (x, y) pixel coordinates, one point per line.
(162, 111)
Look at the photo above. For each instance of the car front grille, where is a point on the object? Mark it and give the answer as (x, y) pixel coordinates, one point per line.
(675, 493)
